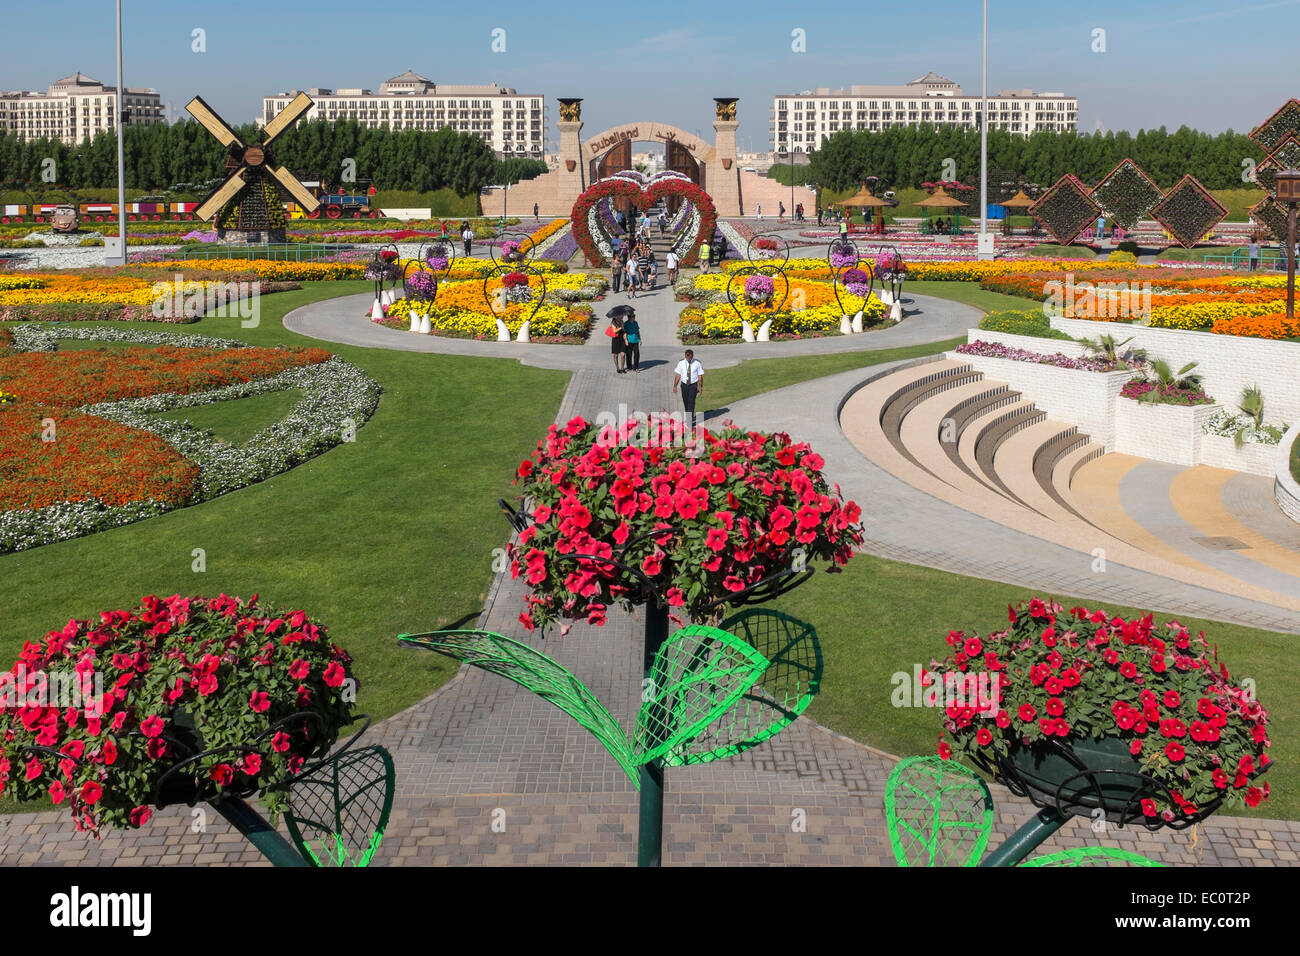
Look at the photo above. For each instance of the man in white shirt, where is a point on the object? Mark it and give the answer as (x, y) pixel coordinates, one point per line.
(672, 267)
(690, 375)
(758, 210)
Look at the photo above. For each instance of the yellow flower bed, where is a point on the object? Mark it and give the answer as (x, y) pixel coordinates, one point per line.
(1258, 281)
(20, 282)
(541, 235)
(75, 288)
(971, 271)
(1202, 315)
(461, 321)
(721, 321)
(478, 268)
(271, 270)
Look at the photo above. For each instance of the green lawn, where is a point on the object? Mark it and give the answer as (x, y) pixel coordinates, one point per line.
(755, 376)
(882, 617)
(389, 534)
(970, 293)
(1049, 250)
(236, 422)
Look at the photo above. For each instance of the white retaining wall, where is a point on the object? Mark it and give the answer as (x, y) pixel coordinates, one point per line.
(1086, 399)
(408, 214)
(1227, 363)
(1169, 433)
(1285, 490)
(1252, 457)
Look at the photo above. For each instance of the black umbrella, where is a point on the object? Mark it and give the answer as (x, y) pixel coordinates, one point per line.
(620, 312)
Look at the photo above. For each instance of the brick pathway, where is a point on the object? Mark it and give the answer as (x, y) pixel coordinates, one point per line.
(481, 750)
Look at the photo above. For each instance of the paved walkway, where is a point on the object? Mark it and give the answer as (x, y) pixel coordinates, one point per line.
(482, 750)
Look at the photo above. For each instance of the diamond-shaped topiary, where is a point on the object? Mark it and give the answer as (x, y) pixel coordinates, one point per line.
(1066, 209)
(1126, 193)
(1270, 133)
(1188, 211)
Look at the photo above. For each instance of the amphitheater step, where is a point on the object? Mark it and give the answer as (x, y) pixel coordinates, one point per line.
(1013, 463)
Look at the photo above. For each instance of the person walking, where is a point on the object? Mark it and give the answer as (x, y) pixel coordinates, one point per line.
(663, 222)
(704, 257)
(780, 212)
(617, 343)
(632, 336)
(467, 236)
(534, 212)
(654, 268)
(821, 217)
(630, 277)
(844, 229)
(616, 273)
(643, 266)
(758, 211)
(689, 374)
(1253, 250)
(671, 264)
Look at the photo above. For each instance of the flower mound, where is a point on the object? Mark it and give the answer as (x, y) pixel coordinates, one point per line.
(155, 685)
(734, 507)
(1088, 676)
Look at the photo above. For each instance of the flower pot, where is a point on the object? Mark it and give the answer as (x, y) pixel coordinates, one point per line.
(857, 322)
(1061, 769)
(746, 330)
(765, 331)
(523, 332)
(846, 327)
(426, 325)
(503, 333)
(415, 321)
(896, 312)
(376, 311)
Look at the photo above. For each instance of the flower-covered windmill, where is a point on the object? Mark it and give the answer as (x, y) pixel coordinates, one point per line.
(247, 207)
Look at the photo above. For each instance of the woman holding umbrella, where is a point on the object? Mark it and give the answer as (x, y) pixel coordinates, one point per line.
(617, 335)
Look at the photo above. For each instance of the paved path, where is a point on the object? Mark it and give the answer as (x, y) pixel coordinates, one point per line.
(481, 750)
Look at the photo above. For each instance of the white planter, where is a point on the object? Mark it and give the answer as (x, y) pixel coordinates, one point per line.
(523, 332)
(376, 311)
(1252, 457)
(1285, 490)
(503, 333)
(856, 325)
(846, 327)
(425, 325)
(885, 297)
(746, 331)
(896, 312)
(1169, 433)
(415, 321)
(765, 331)
(386, 298)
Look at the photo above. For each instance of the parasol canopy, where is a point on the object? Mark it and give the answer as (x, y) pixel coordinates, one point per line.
(1018, 201)
(940, 199)
(862, 197)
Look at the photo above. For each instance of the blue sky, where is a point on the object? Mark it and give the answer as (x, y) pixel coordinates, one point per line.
(1206, 64)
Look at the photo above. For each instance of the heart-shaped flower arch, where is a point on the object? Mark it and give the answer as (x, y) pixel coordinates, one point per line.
(588, 223)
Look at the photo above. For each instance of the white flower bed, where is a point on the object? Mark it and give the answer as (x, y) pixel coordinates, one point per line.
(338, 399)
(1226, 426)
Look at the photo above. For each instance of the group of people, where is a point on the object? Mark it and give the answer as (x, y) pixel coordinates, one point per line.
(625, 342)
(780, 211)
(636, 267)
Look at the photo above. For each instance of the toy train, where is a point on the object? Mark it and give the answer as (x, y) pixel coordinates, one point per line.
(336, 205)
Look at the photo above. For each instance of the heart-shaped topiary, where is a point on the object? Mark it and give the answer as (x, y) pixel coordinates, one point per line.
(593, 223)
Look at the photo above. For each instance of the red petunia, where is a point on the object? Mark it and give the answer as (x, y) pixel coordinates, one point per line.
(260, 701)
(91, 792)
(333, 675)
(152, 726)
(1174, 752)
(299, 669)
(222, 773)
(140, 816)
(1027, 712)
(280, 741)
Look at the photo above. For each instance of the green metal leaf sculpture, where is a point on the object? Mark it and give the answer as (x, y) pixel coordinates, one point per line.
(340, 809)
(783, 690)
(536, 672)
(713, 691)
(1092, 856)
(939, 813)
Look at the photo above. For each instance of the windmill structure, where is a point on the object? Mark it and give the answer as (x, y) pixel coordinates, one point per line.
(247, 207)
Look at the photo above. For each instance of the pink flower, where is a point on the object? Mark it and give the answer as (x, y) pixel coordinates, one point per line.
(252, 764)
(260, 701)
(152, 726)
(299, 669)
(280, 741)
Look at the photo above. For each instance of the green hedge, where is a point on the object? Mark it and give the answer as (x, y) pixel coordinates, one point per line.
(1028, 322)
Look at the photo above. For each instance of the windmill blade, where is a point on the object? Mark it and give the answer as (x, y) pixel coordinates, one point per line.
(300, 195)
(284, 119)
(213, 123)
(213, 204)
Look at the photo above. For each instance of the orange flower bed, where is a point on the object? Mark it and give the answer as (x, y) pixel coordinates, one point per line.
(89, 459)
(1271, 326)
(85, 376)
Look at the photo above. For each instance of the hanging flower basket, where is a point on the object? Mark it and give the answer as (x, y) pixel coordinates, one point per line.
(1085, 712)
(178, 700)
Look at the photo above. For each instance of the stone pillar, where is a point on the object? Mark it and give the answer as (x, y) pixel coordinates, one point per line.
(572, 174)
(723, 182)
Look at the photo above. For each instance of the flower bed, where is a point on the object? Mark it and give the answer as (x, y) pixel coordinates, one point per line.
(1087, 675)
(261, 688)
(711, 319)
(1057, 360)
(269, 270)
(1226, 425)
(118, 475)
(1138, 388)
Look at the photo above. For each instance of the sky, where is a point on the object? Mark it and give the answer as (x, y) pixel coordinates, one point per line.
(1204, 63)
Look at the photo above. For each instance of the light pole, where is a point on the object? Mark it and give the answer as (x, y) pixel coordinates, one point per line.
(115, 253)
(1288, 191)
(985, 247)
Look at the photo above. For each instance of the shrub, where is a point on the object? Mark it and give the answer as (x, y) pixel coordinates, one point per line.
(1017, 322)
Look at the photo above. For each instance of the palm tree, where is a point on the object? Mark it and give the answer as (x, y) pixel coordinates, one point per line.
(1252, 404)
(1108, 350)
(1166, 378)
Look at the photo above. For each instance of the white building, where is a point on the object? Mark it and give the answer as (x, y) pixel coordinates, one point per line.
(75, 108)
(513, 124)
(801, 120)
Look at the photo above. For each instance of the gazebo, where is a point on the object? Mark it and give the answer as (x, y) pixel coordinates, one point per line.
(1018, 201)
(863, 198)
(939, 199)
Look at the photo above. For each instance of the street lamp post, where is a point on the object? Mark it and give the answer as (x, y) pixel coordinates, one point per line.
(116, 256)
(985, 248)
(1288, 191)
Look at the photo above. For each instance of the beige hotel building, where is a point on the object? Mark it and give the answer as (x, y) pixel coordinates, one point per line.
(75, 108)
(513, 124)
(801, 120)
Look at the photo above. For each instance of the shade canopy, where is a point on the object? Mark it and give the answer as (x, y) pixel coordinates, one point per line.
(940, 199)
(862, 197)
(1019, 201)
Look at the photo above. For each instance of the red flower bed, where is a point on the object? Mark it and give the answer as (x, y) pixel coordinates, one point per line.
(89, 459)
(85, 376)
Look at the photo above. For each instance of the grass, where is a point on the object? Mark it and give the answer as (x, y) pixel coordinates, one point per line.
(1238, 201)
(970, 293)
(1295, 460)
(1049, 250)
(392, 533)
(755, 376)
(238, 421)
(880, 618)
(443, 202)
